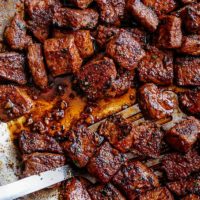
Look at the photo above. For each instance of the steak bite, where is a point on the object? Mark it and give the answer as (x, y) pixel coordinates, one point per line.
(179, 166)
(187, 71)
(156, 66)
(169, 32)
(75, 18)
(62, 56)
(191, 197)
(81, 145)
(12, 68)
(125, 50)
(34, 142)
(155, 102)
(36, 65)
(105, 192)
(105, 162)
(81, 3)
(15, 34)
(14, 102)
(143, 14)
(184, 134)
(134, 179)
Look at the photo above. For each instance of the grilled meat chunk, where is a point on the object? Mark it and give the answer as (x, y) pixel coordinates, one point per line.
(105, 192)
(36, 163)
(15, 34)
(81, 3)
(155, 102)
(34, 142)
(179, 166)
(62, 55)
(12, 67)
(143, 14)
(184, 134)
(189, 1)
(75, 190)
(191, 197)
(105, 162)
(147, 139)
(187, 71)
(75, 18)
(14, 102)
(169, 32)
(81, 145)
(36, 65)
(125, 50)
(135, 178)
(161, 193)
(156, 67)
(118, 132)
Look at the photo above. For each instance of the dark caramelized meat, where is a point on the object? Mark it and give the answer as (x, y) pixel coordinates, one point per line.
(161, 193)
(118, 132)
(36, 163)
(156, 67)
(143, 14)
(12, 67)
(81, 3)
(125, 50)
(111, 11)
(14, 102)
(75, 18)
(187, 70)
(34, 142)
(147, 139)
(105, 192)
(155, 102)
(135, 178)
(191, 197)
(36, 65)
(62, 55)
(96, 76)
(105, 162)
(184, 134)
(179, 166)
(81, 145)
(75, 190)
(169, 32)
(15, 34)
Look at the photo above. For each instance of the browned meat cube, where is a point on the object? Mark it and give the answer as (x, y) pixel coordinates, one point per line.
(190, 101)
(143, 14)
(161, 193)
(75, 18)
(184, 134)
(118, 131)
(111, 11)
(187, 71)
(191, 197)
(156, 67)
(95, 77)
(34, 142)
(81, 3)
(169, 32)
(185, 186)
(36, 163)
(14, 102)
(105, 162)
(62, 55)
(125, 50)
(75, 190)
(147, 139)
(155, 102)
(81, 145)
(179, 166)
(105, 192)
(15, 34)
(191, 45)
(135, 178)
(189, 1)
(12, 67)
(161, 7)
(36, 65)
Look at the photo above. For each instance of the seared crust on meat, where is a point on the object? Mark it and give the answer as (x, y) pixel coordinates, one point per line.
(191, 197)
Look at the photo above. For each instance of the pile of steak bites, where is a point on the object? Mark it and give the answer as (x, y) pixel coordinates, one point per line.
(108, 46)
